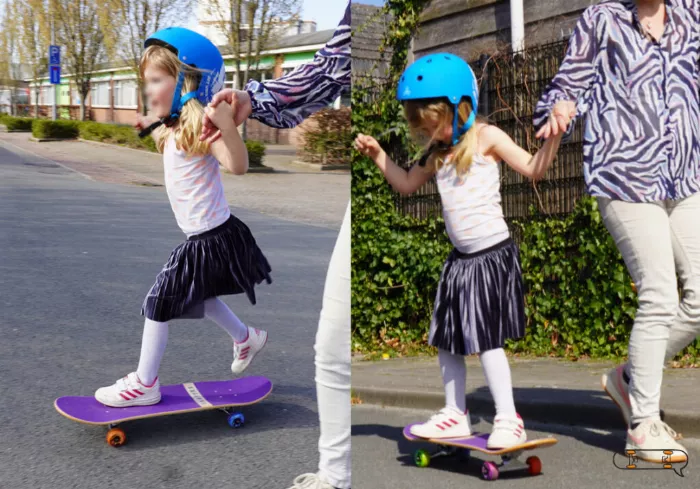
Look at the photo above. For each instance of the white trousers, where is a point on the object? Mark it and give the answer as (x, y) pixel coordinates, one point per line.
(333, 365)
(657, 241)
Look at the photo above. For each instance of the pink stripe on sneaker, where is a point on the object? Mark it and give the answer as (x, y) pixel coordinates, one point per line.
(124, 397)
(138, 392)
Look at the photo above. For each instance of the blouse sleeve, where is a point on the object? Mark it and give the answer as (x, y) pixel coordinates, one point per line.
(576, 73)
(286, 101)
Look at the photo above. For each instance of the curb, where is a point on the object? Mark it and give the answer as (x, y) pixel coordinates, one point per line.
(319, 167)
(3, 128)
(50, 140)
(562, 413)
(265, 169)
(257, 169)
(99, 143)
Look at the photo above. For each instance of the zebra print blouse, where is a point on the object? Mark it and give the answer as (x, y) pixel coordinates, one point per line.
(642, 132)
(288, 100)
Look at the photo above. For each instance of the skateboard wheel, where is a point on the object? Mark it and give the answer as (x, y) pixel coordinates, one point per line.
(422, 458)
(489, 471)
(116, 437)
(534, 465)
(236, 420)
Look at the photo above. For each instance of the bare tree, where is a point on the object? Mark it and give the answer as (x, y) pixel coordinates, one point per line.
(127, 24)
(250, 27)
(78, 31)
(10, 74)
(33, 40)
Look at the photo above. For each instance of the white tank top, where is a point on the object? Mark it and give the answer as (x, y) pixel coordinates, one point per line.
(194, 189)
(471, 205)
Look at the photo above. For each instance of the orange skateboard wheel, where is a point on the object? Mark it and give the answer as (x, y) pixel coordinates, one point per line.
(534, 465)
(116, 437)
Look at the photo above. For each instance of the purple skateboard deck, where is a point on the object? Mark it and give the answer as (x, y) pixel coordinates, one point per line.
(478, 442)
(175, 399)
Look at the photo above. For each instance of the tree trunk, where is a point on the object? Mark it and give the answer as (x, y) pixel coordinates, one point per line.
(82, 108)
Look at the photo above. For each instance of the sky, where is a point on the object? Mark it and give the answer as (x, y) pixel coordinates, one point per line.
(326, 13)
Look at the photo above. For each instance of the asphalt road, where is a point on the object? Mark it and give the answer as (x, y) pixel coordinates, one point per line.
(77, 258)
(582, 458)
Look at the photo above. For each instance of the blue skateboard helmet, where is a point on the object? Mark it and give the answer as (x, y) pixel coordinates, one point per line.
(195, 50)
(441, 75)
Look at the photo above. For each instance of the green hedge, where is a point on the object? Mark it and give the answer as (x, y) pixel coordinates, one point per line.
(256, 152)
(23, 124)
(579, 296)
(107, 133)
(47, 129)
(329, 138)
(116, 134)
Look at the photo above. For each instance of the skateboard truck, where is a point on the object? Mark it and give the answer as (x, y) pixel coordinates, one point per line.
(510, 462)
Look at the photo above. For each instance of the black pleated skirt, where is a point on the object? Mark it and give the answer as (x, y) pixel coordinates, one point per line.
(480, 301)
(223, 261)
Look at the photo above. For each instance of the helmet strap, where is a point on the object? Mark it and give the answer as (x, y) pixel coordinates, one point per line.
(186, 98)
(457, 134)
(176, 106)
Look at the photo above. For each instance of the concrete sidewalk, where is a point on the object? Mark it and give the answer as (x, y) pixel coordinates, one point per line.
(545, 390)
(292, 193)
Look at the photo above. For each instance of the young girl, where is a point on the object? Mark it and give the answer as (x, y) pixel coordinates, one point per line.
(479, 302)
(183, 70)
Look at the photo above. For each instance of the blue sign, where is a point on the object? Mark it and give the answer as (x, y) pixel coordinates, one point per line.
(54, 55)
(55, 73)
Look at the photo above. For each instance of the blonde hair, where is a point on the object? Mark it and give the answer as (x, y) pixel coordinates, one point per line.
(423, 114)
(188, 127)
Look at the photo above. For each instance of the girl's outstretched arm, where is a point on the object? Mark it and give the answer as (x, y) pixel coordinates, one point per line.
(503, 147)
(404, 182)
(229, 149)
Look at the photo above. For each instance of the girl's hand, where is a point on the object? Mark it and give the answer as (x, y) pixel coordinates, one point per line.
(221, 115)
(368, 146)
(143, 121)
(561, 116)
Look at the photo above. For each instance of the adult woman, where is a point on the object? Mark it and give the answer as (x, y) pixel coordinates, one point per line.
(632, 66)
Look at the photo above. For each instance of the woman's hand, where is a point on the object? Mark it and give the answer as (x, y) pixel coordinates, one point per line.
(368, 146)
(239, 100)
(143, 121)
(561, 116)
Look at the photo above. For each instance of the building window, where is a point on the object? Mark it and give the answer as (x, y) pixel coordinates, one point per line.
(100, 94)
(75, 96)
(47, 95)
(125, 93)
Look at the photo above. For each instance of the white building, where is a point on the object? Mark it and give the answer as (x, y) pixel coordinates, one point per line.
(211, 23)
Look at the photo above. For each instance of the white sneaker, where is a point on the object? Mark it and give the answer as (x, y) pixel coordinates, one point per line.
(243, 353)
(619, 391)
(651, 438)
(310, 481)
(507, 432)
(448, 423)
(129, 391)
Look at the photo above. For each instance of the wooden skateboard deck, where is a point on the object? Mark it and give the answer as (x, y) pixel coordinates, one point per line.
(175, 399)
(509, 456)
